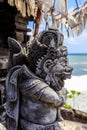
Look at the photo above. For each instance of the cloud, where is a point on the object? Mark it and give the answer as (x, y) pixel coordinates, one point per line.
(77, 44)
(81, 39)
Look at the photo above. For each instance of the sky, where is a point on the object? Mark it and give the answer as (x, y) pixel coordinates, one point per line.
(76, 44)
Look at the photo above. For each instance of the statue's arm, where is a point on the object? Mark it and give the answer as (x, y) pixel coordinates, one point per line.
(42, 92)
(50, 96)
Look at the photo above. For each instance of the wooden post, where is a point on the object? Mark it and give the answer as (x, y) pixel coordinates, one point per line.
(38, 19)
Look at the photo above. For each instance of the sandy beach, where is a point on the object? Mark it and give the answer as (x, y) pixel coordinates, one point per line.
(78, 83)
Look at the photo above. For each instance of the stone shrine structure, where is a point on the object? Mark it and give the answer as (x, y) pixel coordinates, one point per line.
(12, 24)
(35, 82)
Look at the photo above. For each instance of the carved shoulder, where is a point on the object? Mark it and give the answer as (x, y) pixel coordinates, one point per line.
(35, 88)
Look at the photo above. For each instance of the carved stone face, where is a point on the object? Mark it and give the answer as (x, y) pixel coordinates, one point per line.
(54, 67)
(54, 76)
(56, 73)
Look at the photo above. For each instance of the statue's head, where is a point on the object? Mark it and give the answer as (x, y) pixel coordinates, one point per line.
(48, 59)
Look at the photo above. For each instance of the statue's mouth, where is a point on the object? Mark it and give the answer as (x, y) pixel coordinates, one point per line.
(61, 76)
(66, 75)
(59, 81)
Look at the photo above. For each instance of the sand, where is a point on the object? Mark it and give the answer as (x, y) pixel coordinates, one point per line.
(78, 83)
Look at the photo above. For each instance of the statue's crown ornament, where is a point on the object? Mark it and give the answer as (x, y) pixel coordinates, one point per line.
(44, 47)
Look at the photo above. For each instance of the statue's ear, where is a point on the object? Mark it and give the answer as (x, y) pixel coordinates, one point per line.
(17, 56)
(47, 65)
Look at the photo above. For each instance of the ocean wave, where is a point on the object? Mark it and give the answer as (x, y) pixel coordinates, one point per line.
(84, 69)
(79, 63)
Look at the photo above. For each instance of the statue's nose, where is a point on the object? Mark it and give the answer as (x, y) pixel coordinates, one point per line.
(68, 69)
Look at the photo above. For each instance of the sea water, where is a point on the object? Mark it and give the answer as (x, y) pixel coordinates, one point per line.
(79, 64)
(78, 81)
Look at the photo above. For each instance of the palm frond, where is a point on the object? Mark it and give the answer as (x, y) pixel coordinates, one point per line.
(26, 7)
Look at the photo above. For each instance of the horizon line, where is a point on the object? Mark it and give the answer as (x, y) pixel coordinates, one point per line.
(77, 53)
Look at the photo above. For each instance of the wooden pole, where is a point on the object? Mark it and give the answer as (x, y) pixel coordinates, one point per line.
(38, 19)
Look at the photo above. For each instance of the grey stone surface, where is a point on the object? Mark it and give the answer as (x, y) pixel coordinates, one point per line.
(35, 83)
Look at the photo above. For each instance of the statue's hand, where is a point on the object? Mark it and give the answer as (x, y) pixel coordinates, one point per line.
(63, 93)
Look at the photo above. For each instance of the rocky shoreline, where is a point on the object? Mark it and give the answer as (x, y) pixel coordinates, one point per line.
(74, 115)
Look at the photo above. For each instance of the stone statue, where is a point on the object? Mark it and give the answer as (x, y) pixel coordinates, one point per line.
(35, 82)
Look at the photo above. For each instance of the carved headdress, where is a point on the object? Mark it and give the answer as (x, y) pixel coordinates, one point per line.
(42, 48)
(42, 51)
(45, 49)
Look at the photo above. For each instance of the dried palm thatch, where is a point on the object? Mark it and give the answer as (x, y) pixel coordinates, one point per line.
(26, 7)
(74, 21)
(80, 14)
(29, 7)
(46, 4)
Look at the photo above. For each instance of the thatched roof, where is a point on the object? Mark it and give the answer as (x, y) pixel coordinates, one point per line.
(73, 21)
(26, 7)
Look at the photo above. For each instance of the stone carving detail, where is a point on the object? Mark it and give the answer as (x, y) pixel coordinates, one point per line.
(35, 83)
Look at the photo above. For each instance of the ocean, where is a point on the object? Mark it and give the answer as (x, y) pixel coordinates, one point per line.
(78, 81)
(79, 64)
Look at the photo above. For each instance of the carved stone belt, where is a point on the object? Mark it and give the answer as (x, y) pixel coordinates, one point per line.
(31, 126)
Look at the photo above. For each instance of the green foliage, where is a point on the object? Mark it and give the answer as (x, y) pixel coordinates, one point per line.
(71, 95)
(66, 105)
(72, 92)
(78, 93)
